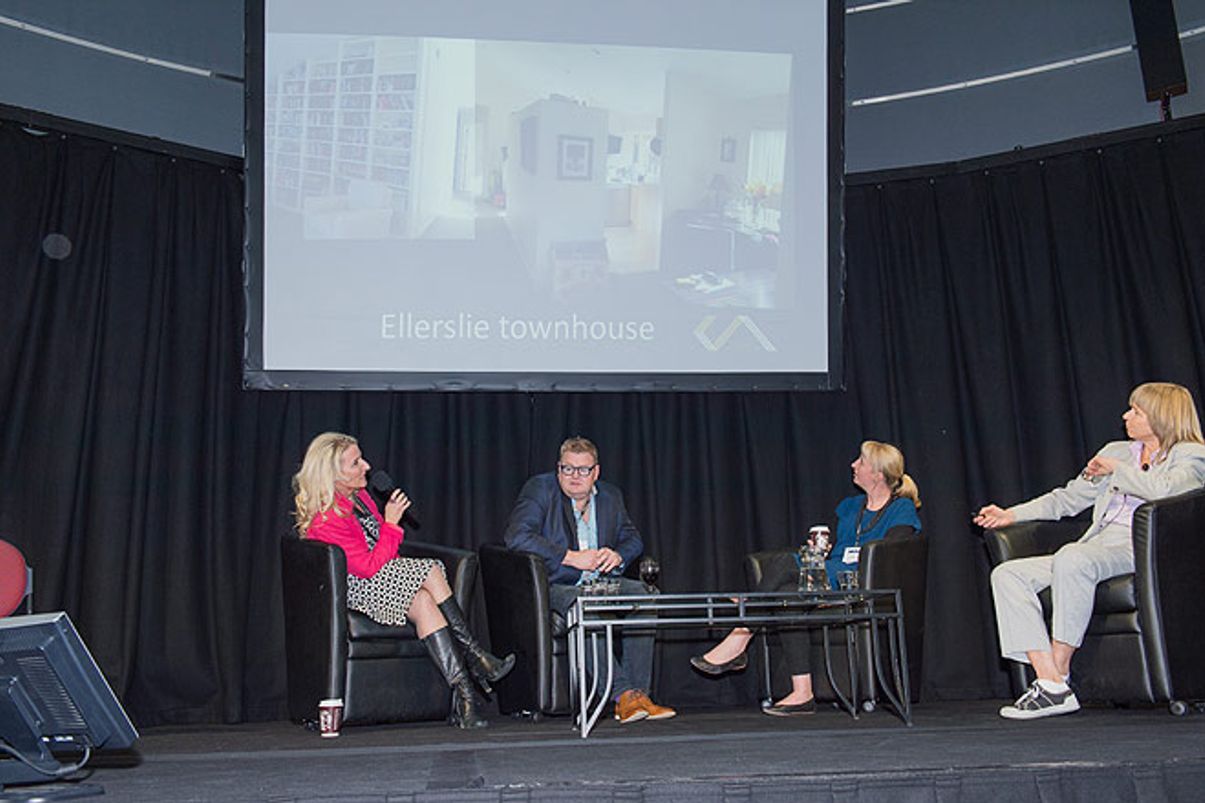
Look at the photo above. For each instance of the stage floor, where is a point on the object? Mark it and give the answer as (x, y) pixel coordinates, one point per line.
(954, 751)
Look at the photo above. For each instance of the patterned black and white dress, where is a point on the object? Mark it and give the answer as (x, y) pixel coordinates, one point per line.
(386, 596)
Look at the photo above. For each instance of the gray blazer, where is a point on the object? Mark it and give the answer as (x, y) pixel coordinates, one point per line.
(1182, 471)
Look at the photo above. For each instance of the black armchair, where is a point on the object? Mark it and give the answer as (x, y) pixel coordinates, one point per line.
(520, 621)
(1142, 643)
(382, 673)
(898, 560)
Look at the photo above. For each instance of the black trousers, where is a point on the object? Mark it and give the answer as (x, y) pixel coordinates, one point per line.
(781, 573)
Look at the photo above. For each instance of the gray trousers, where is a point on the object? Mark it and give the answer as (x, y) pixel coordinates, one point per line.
(1071, 574)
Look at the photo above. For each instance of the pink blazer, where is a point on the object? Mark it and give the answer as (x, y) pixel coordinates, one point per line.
(340, 527)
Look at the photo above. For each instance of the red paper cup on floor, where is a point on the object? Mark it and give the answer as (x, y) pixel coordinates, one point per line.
(330, 717)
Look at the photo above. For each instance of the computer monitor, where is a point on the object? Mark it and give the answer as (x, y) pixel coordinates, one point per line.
(53, 699)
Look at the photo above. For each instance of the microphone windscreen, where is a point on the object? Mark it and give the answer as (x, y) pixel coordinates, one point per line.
(382, 483)
(382, 487)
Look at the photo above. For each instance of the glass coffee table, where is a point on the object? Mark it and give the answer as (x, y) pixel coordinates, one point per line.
(594, 619)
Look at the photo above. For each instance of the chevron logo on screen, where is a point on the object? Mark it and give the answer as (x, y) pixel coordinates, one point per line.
(702, 332)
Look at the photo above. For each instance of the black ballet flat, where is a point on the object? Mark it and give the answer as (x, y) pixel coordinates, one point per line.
(737, 664)
(796, 710)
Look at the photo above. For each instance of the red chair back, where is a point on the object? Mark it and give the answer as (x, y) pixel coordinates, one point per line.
(12, 578)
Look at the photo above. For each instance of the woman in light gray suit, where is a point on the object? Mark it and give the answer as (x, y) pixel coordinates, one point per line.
(1165, 456)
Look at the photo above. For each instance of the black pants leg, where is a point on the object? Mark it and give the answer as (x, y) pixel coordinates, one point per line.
(782, 574)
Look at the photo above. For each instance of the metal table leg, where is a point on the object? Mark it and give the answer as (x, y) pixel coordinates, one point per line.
(832, 681)
(851, 656)
(767, 679)
(577, 664)
(591, 717)
(900, 698)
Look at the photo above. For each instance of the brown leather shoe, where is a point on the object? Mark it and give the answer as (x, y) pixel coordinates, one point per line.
(630, 707)
(656, 711)
(634, 705)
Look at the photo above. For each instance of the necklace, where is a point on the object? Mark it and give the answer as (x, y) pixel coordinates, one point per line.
(1147, 456)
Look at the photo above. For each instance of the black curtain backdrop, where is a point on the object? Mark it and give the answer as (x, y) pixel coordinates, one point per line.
(997, 314)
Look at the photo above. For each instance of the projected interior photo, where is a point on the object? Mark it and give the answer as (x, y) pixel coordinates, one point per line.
(460, 205)
(393, 137)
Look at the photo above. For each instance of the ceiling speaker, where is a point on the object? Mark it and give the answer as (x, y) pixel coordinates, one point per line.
(1158, 48)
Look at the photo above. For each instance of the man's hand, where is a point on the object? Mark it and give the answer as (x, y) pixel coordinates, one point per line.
(601, 560)
(610, 560)
(585, 559)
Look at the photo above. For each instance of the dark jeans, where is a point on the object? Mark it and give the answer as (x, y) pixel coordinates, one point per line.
(782, 574)
(633, 648)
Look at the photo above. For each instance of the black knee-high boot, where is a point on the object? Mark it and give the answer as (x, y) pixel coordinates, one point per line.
(485, 667)
(446, 656)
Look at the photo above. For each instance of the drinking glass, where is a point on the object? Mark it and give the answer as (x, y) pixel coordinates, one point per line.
(650, 570)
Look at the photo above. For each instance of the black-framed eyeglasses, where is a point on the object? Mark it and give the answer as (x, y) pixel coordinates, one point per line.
(572, 471)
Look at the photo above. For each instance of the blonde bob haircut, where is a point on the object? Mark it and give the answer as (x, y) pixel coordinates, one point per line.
(1171, 413)
(314, 482)
(889, 461)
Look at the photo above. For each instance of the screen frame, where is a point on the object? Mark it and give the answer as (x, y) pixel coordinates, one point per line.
(257, 377)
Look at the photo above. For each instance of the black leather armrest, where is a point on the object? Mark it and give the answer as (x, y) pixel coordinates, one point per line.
(516, 600)
(894, 561)
(516, 595)
(461, 565)
(1169, 580)
(1169, 543)
(314, 584)
(756, 562)
(898, 560)
(1031, 538)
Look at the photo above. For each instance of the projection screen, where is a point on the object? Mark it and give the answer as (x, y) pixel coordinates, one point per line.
(544, 194)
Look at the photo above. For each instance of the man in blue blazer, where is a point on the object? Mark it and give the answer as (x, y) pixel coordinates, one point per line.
(581, 529)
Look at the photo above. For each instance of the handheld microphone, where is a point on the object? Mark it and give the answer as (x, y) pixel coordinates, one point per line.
(382, 487)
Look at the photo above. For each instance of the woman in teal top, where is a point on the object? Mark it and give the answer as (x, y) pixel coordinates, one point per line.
(859, 524)
(890, 500)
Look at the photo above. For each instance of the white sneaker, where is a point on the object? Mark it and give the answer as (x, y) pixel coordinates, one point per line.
(1038, 702)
